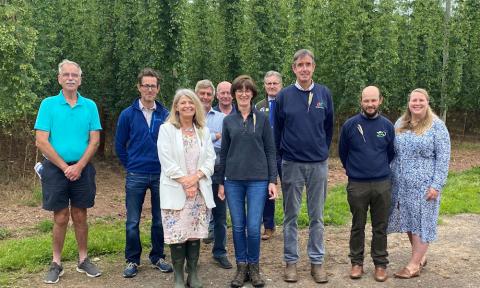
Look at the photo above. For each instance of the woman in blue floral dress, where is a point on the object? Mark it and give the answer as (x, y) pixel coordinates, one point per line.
(420, 168)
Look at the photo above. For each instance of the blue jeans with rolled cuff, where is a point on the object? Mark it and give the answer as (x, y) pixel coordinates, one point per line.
(246, 219)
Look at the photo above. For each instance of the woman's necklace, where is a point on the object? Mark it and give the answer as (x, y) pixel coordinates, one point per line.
(189, 129)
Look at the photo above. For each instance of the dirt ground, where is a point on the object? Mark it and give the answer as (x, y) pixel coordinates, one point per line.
(453, 259)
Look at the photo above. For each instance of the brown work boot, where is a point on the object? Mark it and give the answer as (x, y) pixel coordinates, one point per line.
(380, 274)
(241, 275)
(291, 273)
(255, 278)
(319, 274)
(356, 272)
(267, 234)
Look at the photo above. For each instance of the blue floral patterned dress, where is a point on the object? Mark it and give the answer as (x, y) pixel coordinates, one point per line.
(421, 162)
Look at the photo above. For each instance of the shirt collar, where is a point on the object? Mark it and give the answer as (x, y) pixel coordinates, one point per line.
(80, 99)
(301, 88)
(271, 98)
(145, 108)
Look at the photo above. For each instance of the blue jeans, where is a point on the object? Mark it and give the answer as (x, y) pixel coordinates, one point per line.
(246, 241)
(136, 187)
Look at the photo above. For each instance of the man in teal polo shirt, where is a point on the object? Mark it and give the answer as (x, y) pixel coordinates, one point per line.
(68, 133)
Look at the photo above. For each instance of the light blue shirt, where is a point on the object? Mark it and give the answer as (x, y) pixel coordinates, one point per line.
(69, 127)
(215, 124)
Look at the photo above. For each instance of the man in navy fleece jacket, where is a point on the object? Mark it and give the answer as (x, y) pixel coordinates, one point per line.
(303, 133)
(136, 147)
(366, 149)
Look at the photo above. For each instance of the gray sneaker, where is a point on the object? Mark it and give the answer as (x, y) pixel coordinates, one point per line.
(89, 268)
(53, 274)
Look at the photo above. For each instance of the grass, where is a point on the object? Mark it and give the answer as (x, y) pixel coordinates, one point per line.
(34, 199)
(4, 233)
(32, 254)
(45, 226)
(462, 193)
(466, 145)
(107, 235)
(336, 209)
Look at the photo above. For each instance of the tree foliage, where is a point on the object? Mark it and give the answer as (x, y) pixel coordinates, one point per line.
(395, 44)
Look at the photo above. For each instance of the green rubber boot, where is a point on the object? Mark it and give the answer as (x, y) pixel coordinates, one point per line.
(178, 252)
(193, 253)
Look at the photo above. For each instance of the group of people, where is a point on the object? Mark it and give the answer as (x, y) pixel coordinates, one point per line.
(397, 171)
(195, 159)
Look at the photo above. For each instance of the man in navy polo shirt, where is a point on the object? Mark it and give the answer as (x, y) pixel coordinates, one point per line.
(366, 150)
(68, 134)
(136, 147)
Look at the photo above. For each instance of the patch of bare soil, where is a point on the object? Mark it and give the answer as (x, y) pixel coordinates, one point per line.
(453, 259)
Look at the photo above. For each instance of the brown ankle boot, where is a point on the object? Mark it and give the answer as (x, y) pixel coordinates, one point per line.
(255, 278)
(241, 275)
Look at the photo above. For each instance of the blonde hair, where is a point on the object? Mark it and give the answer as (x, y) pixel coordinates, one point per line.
(424, 124)
(198, 118)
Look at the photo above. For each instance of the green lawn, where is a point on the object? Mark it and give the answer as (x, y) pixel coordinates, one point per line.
(32, 254)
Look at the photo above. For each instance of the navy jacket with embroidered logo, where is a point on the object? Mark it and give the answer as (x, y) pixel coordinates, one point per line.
(303, 132)
(367, 156)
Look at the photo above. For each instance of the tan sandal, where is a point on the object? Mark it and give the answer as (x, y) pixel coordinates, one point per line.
(405, 273)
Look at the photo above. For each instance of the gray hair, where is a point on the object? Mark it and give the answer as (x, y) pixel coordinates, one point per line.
(202, 84)
(302, 53)
(66, 61)
(273, 73)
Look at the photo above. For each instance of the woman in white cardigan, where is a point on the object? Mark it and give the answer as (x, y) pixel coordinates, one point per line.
(187, 158)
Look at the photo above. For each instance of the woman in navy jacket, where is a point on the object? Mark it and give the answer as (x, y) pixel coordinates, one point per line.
(248, 169)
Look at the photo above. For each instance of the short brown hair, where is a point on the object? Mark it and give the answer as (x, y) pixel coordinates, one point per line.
(148, 72)
(243, 81)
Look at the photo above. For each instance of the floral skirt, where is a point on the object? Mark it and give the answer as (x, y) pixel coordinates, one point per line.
(190, 222)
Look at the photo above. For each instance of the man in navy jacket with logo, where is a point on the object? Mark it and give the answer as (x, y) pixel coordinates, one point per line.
(136, 147)
(366, 150)
(303, 133)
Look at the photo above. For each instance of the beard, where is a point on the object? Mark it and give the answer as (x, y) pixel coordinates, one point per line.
(370, 114)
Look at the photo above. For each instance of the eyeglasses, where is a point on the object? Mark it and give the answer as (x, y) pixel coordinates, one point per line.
(272, 83)
(247, 91)
(149, 87)
(67, 75)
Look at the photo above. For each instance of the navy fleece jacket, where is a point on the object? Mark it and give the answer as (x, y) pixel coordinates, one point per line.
(366, 156)
(303, 132)
(135, 142)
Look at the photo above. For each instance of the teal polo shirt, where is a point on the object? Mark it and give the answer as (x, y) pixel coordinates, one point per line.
(69, 127)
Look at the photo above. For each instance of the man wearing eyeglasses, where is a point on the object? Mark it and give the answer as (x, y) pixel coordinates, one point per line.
(136, 147)
(303, 134)
(67, 132)
(273, 84)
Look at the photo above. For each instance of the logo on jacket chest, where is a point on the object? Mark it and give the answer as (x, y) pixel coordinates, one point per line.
(381, 134)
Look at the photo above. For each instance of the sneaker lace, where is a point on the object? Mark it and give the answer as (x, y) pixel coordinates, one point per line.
(131, 265)
(161, 261)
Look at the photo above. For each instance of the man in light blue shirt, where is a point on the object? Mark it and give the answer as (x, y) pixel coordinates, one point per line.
(206, 91)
